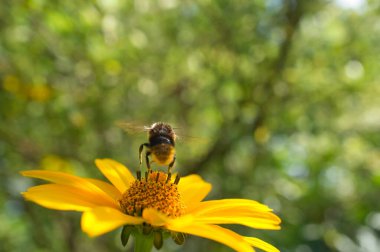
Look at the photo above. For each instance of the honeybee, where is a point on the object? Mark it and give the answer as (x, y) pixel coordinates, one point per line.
(160, 145)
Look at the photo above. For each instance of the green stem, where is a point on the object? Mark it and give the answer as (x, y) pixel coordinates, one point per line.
(143, 243)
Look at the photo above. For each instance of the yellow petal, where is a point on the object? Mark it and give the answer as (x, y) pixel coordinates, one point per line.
(155, 218)
(70, 180)
(62, 197)
(193, 189)
(158, 219)
(100, 220)
(236, 211)
(252, 222)
(236, 205)
(107, 188)
(261, 244)
(267, 217)
(116, 173)
(216, 233)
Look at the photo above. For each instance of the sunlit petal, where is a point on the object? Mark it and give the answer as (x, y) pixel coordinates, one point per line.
(257, 243)
(62, 197)
(216, 233)
(116, 173)
(100, 220)
(155, 218)
(236, 205)
(193, 189)
(62, 178)
(158, 219)
(259, 223)
(236, 211)
(107, 188)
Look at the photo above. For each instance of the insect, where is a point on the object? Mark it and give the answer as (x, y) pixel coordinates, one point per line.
(160, 146)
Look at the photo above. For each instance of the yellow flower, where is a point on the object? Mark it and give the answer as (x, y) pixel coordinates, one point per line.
(156, 203)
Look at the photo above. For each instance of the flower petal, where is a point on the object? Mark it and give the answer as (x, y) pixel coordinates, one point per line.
(158, 219)
(100, 220)
(187, 224)
(155, 218)
(112, 191)
(216, 233)
(261, 244)
(236, 205)
(193, 189)
(71, 181)
(236, 211)
(116, 173)
(252, 222)
(62, 197)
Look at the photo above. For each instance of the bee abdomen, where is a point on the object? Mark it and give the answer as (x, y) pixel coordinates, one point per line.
(163, 154)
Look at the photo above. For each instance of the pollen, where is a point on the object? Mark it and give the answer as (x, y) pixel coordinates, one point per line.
(157, 191)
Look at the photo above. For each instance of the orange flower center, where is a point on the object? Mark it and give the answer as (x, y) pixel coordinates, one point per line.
(157, 191)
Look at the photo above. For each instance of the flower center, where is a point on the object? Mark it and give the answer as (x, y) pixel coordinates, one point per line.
(156, 191)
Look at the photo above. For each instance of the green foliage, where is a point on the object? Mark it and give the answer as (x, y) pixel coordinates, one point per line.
(279, 98)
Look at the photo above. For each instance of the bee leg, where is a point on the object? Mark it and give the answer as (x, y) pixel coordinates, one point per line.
(171, 164)
(140, 153)
(147, 160)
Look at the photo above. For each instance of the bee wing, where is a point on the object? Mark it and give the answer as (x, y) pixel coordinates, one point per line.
(183, 137)
(131, 128)
(192, 139)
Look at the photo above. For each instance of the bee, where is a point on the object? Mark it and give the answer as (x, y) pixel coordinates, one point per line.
(160, 146)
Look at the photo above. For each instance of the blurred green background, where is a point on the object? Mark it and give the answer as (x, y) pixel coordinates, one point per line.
(279, 98)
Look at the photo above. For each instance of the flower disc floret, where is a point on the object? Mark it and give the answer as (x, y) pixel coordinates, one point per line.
(155, 191)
